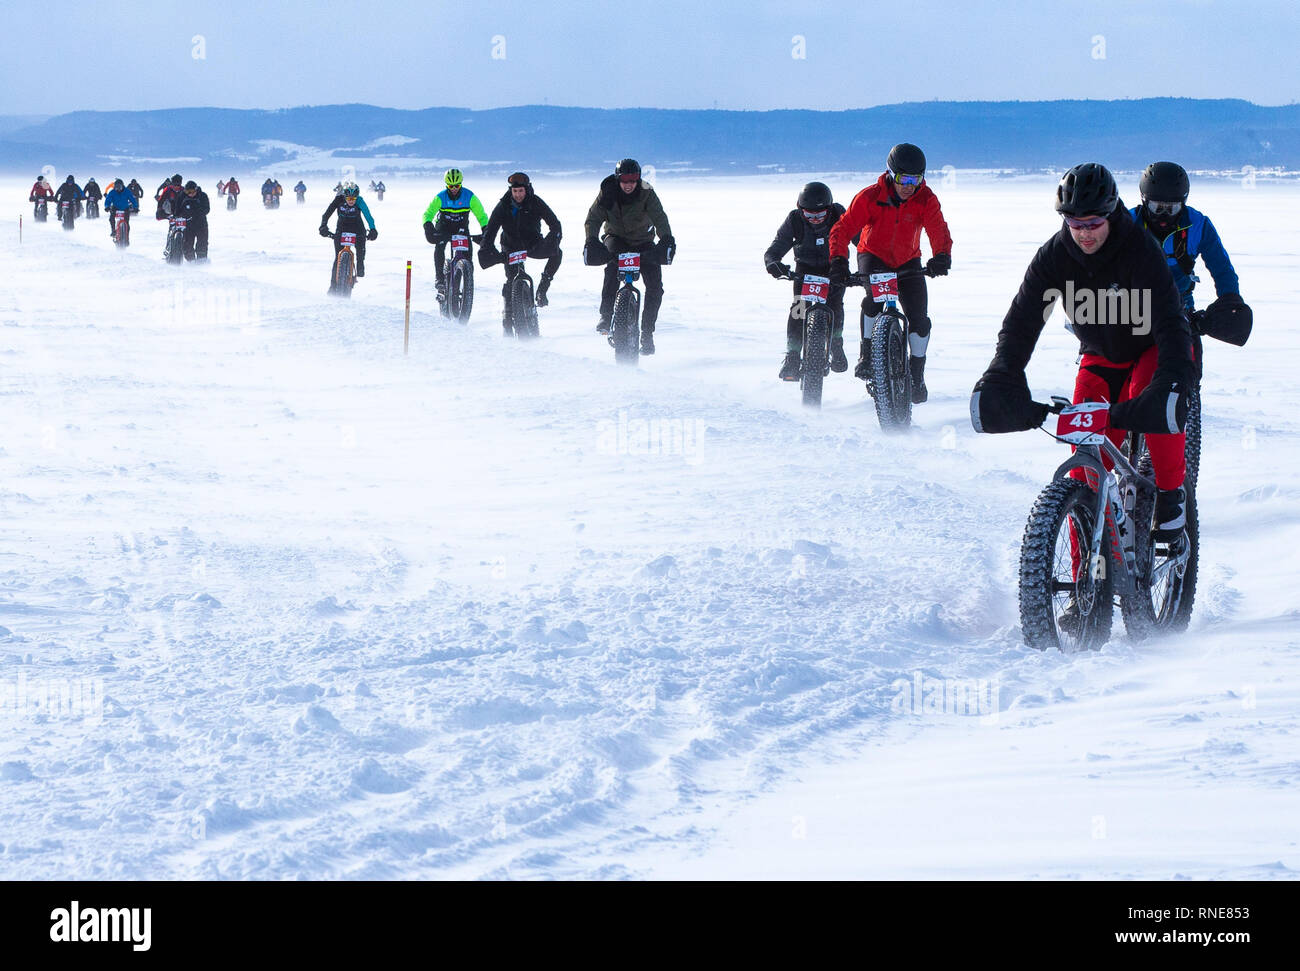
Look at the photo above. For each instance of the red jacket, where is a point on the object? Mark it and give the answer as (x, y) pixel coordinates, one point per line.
(890, 228)
(41, 189)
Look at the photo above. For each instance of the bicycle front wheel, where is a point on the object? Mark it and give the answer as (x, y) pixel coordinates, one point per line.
(460, 290)
(890, 375)
(625, 326)
(813, 371)
(523, 307)
(1066, 598)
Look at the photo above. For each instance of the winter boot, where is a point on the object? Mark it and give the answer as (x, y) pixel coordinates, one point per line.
(863, 369)
(839, 363)
(790, 367)
(542, 287)
(602, 327)
(1171, 515)
(919, 391)
(647, 342)
(1070, 621)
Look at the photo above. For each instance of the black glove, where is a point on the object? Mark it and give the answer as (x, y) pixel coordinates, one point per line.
(1001, 402)
(594, 253)
(324, 230)
(778, 270)
(1228, 319)
(666, 250)
(839, 271)
(488, 255)
(477, 240)
(939, 264)
(429, 233)
(1161, 409)
(372, 235)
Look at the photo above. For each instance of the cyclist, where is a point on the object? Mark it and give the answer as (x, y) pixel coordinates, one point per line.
(890, 215)
(301, 190)
(169, 196)
(806, 230)
(232, 188)
(69, 192)
(221, 188)
(119, 197)
(136, 189)
(352, 210)
(193, 206)
(518, 217)
(1142, 364)
(93, 192)
(451, 208)
(40, 190)
(1185, 233)
(268, 192)
(629, 211)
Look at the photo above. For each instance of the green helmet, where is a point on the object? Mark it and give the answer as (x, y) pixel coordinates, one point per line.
(453, 178)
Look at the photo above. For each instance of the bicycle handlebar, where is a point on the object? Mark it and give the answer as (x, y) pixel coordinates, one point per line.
(860, 279)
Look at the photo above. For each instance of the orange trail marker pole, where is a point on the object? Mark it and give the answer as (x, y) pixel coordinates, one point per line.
(406, 340)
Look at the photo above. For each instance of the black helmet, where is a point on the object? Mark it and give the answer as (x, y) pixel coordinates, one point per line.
(1164, 182)
(906, 159)
(176, 180)
(815, 196)
(1087, 190)
(70, 180)
(519, 179)
(90, 180)
(191, 184)
(629, 166)
(118, 184)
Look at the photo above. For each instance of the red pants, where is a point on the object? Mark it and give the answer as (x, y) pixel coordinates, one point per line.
(1103, 380)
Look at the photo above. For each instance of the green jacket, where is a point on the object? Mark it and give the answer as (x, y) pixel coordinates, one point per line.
(456, 209)
(635, 218)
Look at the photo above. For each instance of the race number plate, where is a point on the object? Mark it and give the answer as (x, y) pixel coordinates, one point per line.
(179, 221)
(815, 288)
(1084, 423)
(884, 285)
(347, 239)
(459, 243)
(518, 256)
(629, 262)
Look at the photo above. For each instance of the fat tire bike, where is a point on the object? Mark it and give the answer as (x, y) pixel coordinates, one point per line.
(344, 276)
(458, 301)
(522, 309)
(120, 219)
(174, 249)
(890, 380)
(1086, 545)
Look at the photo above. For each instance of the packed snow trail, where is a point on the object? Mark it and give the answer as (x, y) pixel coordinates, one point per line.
(510, 610)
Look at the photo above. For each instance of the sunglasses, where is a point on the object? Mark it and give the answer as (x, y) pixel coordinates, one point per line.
(901, 179)
(814, 217)
(1092, 223)
(1164, 208)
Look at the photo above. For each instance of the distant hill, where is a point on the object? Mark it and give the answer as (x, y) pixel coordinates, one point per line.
(1021, 135)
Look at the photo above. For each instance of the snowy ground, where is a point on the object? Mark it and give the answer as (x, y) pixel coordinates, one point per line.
(355, 614)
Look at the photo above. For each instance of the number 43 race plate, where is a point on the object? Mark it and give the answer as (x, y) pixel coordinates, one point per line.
(1084, 423)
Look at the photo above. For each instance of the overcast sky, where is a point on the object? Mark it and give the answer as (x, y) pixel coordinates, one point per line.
(735, 54)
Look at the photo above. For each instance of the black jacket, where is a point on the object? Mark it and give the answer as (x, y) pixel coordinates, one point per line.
(93, 191)
(1130, 264)
(68, 192)
(811, 243)
(520, 225)
(192, 209)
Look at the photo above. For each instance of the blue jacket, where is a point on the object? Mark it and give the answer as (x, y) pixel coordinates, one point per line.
(121, 199)
(1193, 235)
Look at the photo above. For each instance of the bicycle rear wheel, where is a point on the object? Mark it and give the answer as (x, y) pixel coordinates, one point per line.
(891, 376)
(1166, 582)
(1057, 570)
(813, 371)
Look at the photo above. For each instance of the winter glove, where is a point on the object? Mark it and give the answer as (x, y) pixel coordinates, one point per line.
(477, 240)
(488, 255)
(1001, 402)
(1161, 409)
(594, 253)
(429, 233)
(839, 271)
(939, 264)
(666, 250)
(1228, 319)
(324, 230)
(778, 270)
(373, 234)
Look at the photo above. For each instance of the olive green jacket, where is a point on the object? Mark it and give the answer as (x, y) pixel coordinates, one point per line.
(636, 218)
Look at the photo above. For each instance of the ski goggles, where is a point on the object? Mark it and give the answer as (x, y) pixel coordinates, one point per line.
(1164, 208)
(1092, 222)
(901, 179)
(816, 217)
